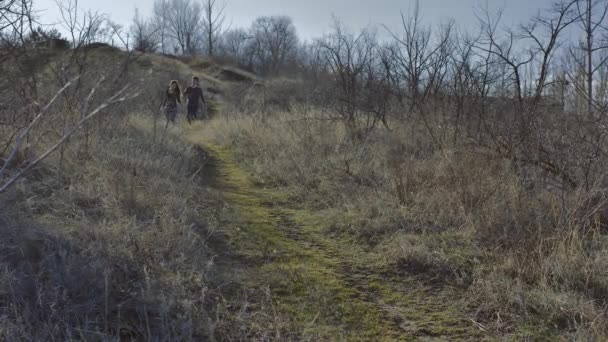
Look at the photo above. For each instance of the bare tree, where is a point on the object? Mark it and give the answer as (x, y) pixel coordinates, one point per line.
(528, 55)
(120, 96)
(19, 86)
(503, 48)
(462, 85)
(274, 39)
(81, 31)
(542, 36)
(16, 20)
(545, 33)
(213, 22)
(233, 44)
(315, 69)
(183, 23)
(28, 92)
(160, 22)
(419, 65)
(361, 92)
(587, 58)
(144, 34)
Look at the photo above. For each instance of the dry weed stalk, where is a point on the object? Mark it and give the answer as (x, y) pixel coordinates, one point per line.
(120, 96)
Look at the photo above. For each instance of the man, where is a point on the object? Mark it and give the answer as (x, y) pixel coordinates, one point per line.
(194, 93)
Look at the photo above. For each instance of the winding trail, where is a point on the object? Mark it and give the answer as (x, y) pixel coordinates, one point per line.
(329, 287)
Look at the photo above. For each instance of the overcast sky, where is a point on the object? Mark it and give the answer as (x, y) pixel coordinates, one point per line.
(313, 17)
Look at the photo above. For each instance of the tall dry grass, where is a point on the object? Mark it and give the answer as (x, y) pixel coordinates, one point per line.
(526, 253)
(117, 234)
(113, 244)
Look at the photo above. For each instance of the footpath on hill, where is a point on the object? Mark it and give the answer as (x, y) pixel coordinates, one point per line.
(328, 288)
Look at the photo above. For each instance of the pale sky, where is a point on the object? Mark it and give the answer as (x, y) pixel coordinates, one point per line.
(313, 17)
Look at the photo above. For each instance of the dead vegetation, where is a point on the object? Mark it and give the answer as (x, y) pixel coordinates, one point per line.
(462, 161)
(524, 255)
(109, 232)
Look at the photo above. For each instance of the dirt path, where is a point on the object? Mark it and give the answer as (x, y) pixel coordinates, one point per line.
(328, 287)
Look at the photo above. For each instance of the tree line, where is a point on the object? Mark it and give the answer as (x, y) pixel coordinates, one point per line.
(535, 94)
(191, 27)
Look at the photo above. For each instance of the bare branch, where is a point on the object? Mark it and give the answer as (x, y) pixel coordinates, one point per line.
(24, 133)
(116, 98)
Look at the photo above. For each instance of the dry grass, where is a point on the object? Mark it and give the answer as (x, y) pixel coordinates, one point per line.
(121, 241)
(118, 236)
(113, 245)
(528, 256)
(123, 238)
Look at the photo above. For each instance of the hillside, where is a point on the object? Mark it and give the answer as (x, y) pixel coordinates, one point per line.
(266, 221)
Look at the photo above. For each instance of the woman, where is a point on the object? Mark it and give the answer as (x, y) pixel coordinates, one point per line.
(172, 97)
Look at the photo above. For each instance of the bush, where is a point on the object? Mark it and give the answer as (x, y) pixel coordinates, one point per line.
(525, 253)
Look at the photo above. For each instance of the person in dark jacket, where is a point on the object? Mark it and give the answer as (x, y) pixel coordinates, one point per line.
(194, 93)
(172, 97)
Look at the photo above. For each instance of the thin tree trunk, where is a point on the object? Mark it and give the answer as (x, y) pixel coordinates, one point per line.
(589, 60)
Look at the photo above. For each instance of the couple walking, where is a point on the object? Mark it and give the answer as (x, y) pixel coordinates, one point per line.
(173, 95)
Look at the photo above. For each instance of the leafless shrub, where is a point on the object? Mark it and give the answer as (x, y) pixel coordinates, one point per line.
(273, 42)
(183, 19)
(70, 108)
(361, 89)
(233, 45)
(145, 35)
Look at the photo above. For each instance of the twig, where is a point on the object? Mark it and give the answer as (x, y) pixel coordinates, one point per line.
(112, 100)
(29, 127)
(479, 325)
(196, 173)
